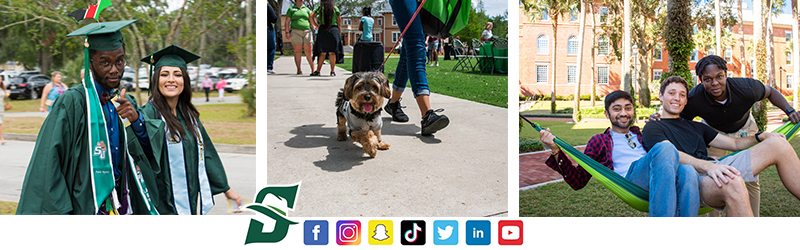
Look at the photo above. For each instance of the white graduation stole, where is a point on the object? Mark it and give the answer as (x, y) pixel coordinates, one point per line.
(177, 167)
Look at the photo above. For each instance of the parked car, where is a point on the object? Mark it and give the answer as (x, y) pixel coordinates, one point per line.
(192, 70)
(127, 82)
(236, 83)
(29, 86)
(226, 75)
(144, 82)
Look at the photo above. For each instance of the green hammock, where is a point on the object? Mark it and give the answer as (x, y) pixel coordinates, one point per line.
(788, 129)
(630, 193)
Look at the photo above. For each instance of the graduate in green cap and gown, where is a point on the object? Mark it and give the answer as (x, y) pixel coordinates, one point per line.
(80, 163)
(190, 170)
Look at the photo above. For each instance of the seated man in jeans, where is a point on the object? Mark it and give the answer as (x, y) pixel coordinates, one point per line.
(673, 187)
(722, 181)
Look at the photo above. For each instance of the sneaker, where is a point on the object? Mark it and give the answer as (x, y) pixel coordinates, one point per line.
(432, 122)
(271, 72)
(315, 73)
(395, 110)
(437, 64)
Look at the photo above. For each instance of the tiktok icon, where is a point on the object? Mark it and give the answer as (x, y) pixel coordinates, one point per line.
(413, 232)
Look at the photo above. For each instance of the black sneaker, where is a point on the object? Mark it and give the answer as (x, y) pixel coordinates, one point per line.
(432, 122)
(395, 110)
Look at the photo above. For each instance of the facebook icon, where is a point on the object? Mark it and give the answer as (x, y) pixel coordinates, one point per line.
(315, 232)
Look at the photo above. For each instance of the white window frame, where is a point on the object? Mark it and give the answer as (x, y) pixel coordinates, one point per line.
(600, 47)
(546, 68)
(658, 52)
(730, 74)
(394, 21)
(574, 48)
(543, 50)
(693, 56)
(394, 38)
(659, 72)
(789, 58)
(727, 54)
(346, 21)
(574, 73)
(379, 21)
(788, 35)
(694, 76)
(603, 14)
(608, 73)
(788, 82)
(712, 52)
(753, 67)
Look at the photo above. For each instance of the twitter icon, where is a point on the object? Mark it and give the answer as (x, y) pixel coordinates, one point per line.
(446, 232)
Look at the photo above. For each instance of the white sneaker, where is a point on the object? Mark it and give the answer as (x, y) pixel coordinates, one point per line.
(437, 64)
(271, 72)
(431, 64)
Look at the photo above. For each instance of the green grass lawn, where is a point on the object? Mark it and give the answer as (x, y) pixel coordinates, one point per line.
(225, 123)
(488, 89)
(559, 199)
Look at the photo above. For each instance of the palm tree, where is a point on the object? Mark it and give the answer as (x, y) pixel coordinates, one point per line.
(582, 22)
(554, 9)
(678, 37)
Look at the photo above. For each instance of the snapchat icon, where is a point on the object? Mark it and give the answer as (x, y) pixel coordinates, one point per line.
(380, 232)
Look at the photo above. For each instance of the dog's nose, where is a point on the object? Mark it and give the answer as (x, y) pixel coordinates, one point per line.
(367, 97)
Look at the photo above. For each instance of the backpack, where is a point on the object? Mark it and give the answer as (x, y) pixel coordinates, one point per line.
(442, 18)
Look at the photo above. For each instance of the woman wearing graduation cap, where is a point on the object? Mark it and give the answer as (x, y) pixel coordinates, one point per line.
(177, 143)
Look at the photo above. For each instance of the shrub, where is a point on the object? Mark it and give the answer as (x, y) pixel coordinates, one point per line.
(249, 97)
(529, 145)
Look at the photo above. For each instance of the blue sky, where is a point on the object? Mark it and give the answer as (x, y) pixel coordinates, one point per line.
(493, 7)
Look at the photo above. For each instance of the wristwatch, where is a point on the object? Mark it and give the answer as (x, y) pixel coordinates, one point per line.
(757, 134)
(789, 111)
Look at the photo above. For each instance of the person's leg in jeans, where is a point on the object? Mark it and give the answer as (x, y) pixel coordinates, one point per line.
(658, 172)
(412, 61)
(271, 48)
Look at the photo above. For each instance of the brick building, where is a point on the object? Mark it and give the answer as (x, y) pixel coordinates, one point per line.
(536, 47)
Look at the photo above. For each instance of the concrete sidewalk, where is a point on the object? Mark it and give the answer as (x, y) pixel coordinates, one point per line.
(461, 170)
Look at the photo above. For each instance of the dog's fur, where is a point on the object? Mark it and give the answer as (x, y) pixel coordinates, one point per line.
(363, 91)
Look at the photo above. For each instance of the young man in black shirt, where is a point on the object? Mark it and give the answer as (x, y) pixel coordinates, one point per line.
(722, 182)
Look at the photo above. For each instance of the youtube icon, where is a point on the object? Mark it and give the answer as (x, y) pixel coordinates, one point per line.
(510, 232)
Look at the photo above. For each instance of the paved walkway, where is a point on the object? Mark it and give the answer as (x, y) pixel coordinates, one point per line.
(533, 171)
(459, 171)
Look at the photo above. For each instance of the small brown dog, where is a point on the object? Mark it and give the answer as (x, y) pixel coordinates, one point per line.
(358, 108)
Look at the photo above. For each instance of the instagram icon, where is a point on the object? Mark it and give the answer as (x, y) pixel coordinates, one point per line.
(348, 232)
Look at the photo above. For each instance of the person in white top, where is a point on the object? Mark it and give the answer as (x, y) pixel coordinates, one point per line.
(487, 32)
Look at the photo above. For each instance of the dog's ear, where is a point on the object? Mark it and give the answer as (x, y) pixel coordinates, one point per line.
(385, 91)
(348, 86)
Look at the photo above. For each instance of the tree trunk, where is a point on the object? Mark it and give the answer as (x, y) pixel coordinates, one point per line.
(553, 64)
(771, 52)
(645, 59)
(626, 48)
(250, 32)
(718, 28)
(677, 35)
(759, 108)
(576, 116)
(743, 57)
(594, 47)
(795, 52)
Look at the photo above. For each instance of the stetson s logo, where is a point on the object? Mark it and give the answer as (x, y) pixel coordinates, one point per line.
(100, 150)
(255, 233)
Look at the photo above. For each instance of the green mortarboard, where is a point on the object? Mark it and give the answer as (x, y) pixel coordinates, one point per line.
(103, 36)
(171, 56)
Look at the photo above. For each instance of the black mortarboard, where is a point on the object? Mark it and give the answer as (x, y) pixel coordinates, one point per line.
(170, 56)
(103, 36)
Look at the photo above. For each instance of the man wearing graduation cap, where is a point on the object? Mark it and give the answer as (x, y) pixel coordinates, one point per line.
(176, 142)
(81, 164)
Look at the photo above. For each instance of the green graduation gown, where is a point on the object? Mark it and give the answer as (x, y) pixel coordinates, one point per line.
(160, 162)
(58, 179)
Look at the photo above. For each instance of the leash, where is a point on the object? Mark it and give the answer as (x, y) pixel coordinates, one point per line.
(403, 33)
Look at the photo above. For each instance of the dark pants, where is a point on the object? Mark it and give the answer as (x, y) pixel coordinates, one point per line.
(207, 90)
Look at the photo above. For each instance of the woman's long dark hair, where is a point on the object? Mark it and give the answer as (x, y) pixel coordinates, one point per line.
(185, 106)
(327, 10)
